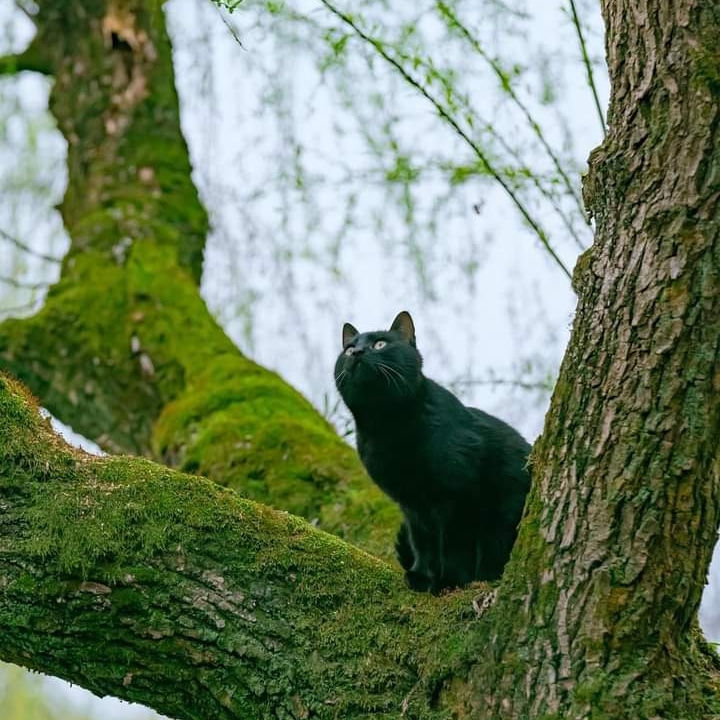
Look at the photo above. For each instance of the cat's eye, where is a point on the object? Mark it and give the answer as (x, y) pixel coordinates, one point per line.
(349, 350)
(379, 344)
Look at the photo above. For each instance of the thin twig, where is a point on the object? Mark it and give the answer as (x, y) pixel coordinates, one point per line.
(522, 384)
(26, 248)
(534, 177)
(26, 11)
(588, 65)
(534, 125)
(22, 285)
(445, 114)
(567, 222)
(227, 24)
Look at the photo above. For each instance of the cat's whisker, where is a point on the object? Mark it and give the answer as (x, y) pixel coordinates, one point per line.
(393, 373)
(391, 369)
(383, 373)
(341, 376)
(397, 380)
(397, 373)
(387, 377)
(393, 380)
(390, 379)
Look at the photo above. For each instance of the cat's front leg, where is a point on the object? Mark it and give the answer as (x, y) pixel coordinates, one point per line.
(425, 540)
(403, 549)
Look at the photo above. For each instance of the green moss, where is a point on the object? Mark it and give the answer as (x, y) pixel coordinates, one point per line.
(706, 60)
(18, 412)
(104, 527)
(244, 426)
(24, 446)
(114, 509)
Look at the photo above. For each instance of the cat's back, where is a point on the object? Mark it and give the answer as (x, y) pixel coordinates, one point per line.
(506, 459)
(499, 431)
(471, 440)
(452, 443)
(445, 414)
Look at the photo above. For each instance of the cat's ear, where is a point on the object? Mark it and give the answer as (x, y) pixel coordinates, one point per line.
(404, 325)
(349, 332)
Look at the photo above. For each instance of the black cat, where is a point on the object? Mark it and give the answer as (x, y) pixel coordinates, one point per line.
(459, 475)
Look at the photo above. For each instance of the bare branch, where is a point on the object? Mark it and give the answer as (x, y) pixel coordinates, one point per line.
(454, 21)
(447, 116)
(588, 65)
(544, 385)
(4, 235)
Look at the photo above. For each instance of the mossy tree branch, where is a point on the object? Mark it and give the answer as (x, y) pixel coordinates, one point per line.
(165, 589)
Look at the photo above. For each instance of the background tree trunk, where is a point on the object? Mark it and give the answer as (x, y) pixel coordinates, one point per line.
(595, 615)
(106, 354)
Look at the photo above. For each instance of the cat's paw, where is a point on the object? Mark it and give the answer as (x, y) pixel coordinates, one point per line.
(418, 581)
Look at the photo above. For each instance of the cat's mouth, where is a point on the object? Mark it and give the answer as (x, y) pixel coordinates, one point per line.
(361, 370)
(354, 362)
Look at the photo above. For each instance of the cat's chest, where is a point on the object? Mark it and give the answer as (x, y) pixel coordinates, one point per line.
(401, 466)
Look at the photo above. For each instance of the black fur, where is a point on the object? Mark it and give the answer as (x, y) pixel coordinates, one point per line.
(458, 474)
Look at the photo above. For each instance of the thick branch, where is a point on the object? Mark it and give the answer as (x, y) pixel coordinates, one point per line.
(165, 589)
(613, 554)
(124, 349)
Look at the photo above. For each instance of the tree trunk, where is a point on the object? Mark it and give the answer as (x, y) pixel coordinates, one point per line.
(600, 601)
(130, 579)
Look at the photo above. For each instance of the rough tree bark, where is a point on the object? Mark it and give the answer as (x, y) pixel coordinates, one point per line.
(606, 578)
(130, 579)
(133, 580)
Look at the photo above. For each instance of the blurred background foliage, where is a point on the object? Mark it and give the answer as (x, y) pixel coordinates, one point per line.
(23, 696)
(356, 161)
(31, 696)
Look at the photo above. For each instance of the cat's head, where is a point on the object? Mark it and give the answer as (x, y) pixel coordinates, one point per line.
(379, 367)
